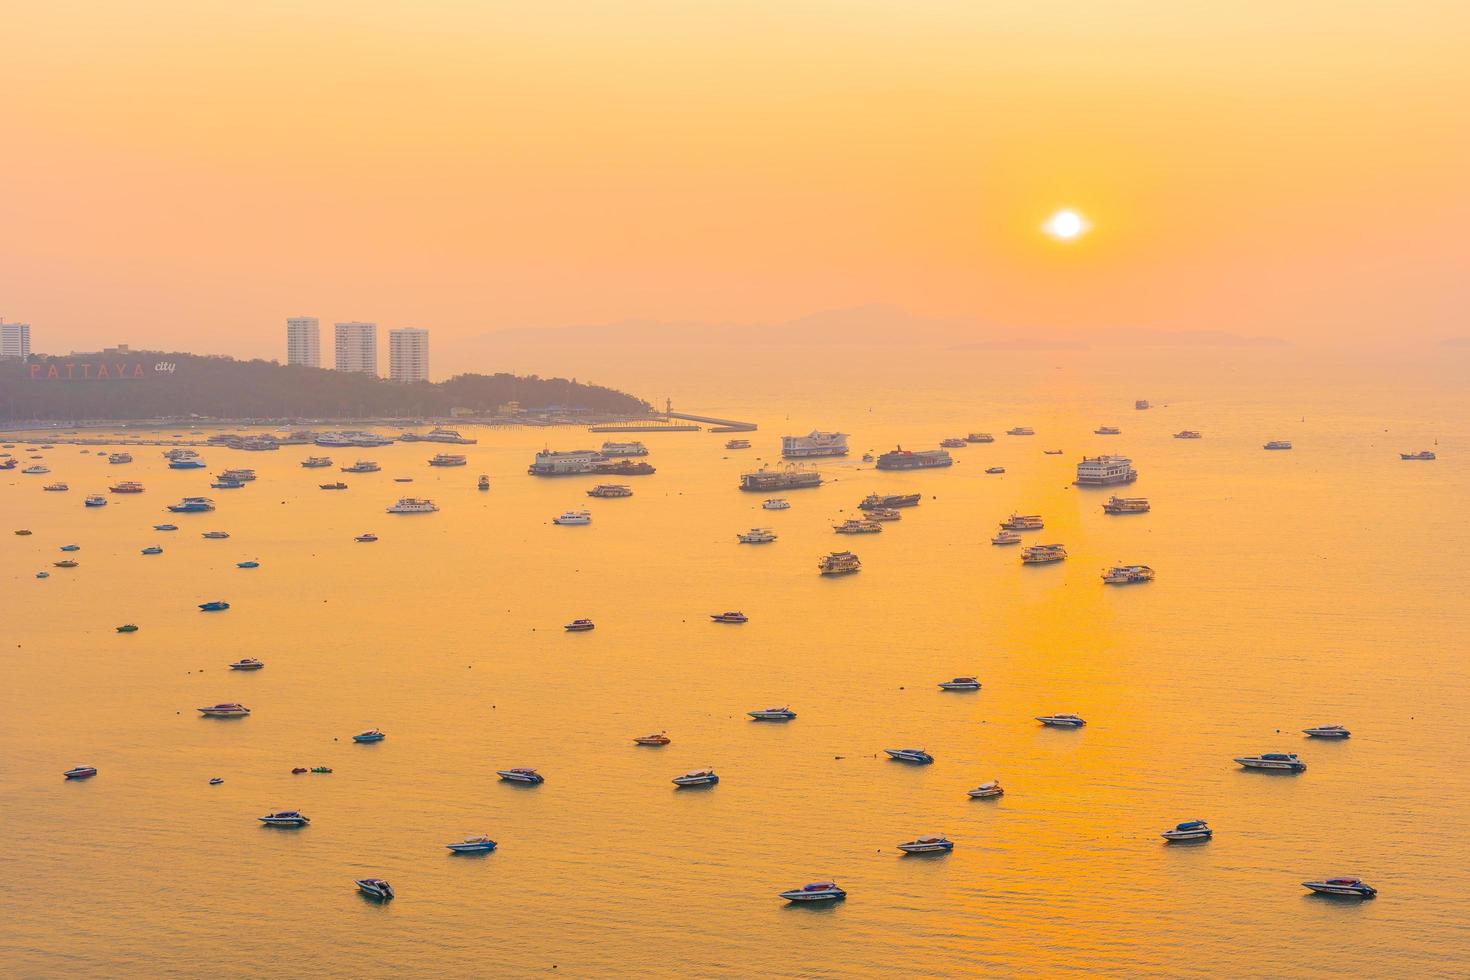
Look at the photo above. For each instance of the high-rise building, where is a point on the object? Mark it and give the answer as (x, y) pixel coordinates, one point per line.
(408, 355)
(304, 341)
(15, 340)
(357, 348)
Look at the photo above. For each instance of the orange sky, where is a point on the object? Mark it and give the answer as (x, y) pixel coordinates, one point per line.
(189, 173)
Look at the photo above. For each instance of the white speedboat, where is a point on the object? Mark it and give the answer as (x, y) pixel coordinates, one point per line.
(776, 503)
(1350, 887)
(520, 775)
(987, 791)
(817, 891)
(773, 714)
(369, 736)
(927, 845)
(910, 755)
(80, 772)
(699, 777)
(757, 535)
(656, 738)
(574, 517)
(228, 710)
(247, 663)
(1327, 731)
(1189, 830)
(1274, 761)
(472, 845)
(375, 888)
(960, 684)
(285, 818)
(1061, 720)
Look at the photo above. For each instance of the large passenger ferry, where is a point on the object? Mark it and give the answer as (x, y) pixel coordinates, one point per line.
(874, 501)
(903, 459)
(840, 563)
(447, 459)
(815, 443)
(1042, 554)
(413, 505)
(1126, 505)
(634, 448)
(1102, 471)
(786, 478)
(568, 463)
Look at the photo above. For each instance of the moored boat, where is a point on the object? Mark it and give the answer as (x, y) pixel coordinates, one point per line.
(1126, 505)
(520, 775)
(218, 605)
(729, 617)
(907, 459)
(610, 490)
(1041, 554)
(448, 459)
(375, 888)
(229, 709)
(995, 469)
(840, 563)
(783, 713)
(128, 628)
(215, 535)
(1422, 454)
(95, 500)
(1327, 731)
(857, 527)
(928, 845)
(80, 772)
(366, 538)
(918, 756)
(1006, 537)
(247, 663)
(192, 505)
(698, 777)
(316, 462)
(338, 485)
(1188, 434)
(579, 626)
(369, 736)
(1278, 444)
(817, 891)
(413, 505)
(657, 738)
(1345, 887)
(1273, 762)
(1062, 720)
(480, 844)
(1128, 575)
(960, 684)
(986, 791)
(573, 517)
(979, 437)
(756, 535)
(58, 487)
(126, 486)
(879, 501)
(1189, 830)
(775, 503)
(1023, 522)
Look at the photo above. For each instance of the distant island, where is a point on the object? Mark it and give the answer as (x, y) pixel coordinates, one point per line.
(122, 384)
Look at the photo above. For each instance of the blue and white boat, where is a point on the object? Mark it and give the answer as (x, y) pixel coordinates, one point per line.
(699, 777)
(247, 663)
(191, 505)
(95, 500)
(43, 574)
(285, 818)
(371, 735)
(1327, 731)
(817, 891)
(783, 713)
(80, 772)
(961, 684)
(375, 888)
(71, 547)
(928, 845)
(218, 605)
(520, 775)
(1189, 830)
(226, 485)
(1348, 887)
(987, 791)
(472, 845)
(910, 755)
(165, 527)
(186, 463)
(1061, 720)
(153, 549)
(1274, 761)
(247, 564)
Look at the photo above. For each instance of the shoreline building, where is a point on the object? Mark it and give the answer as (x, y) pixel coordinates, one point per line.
(1102, 471)
(357, 347)
(304, 341)
(408, 355)
(15, 340)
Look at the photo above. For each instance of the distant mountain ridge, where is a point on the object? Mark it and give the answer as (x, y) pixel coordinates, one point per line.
(864, 325)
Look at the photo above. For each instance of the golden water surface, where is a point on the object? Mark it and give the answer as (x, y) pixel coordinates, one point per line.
(1322, 585)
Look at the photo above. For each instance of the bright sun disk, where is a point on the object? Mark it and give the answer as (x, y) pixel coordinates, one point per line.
(1065, 225)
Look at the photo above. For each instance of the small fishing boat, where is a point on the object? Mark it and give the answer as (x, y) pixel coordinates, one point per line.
(520, 775)
(165, 527)
(247, 663)
(658, 738)
(1273, 761)
(322, 770)
(247, 564)
(1189, 830)
(910, 755)
(22, 533)
(484, 483)
(339, 485)
(772, 714)
(1061, 721)
(928, 845)
(215, 535)
(579, 626)
(986, 791)
(756, 535)
(472, 845)
(153, 549)
(371, 735)
(95, 500)
(80, 772)
(285, 819)
(1051, 452)
(216, 781)
(367, 538)
(776, 503)
(961, 684)
(128, 628)
(698, 777)
(66, 563)
(71, 547)
(298, 770)
(995, 469)
(1327, 731)
(729, 617)
(1347, 887)
(817, 891)
(375, 888)
(217, 605)
(229, 709)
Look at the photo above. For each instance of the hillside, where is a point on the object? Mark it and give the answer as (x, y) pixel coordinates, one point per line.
(157, 384)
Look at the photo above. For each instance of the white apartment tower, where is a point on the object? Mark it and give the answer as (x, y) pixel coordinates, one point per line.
(357, 348)
(408, 355)
(15, 340)
(304, 341)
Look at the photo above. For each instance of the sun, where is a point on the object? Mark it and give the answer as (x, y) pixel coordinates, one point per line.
(1066, 225)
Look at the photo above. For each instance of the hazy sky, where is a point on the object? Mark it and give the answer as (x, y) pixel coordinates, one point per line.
(189, 172)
